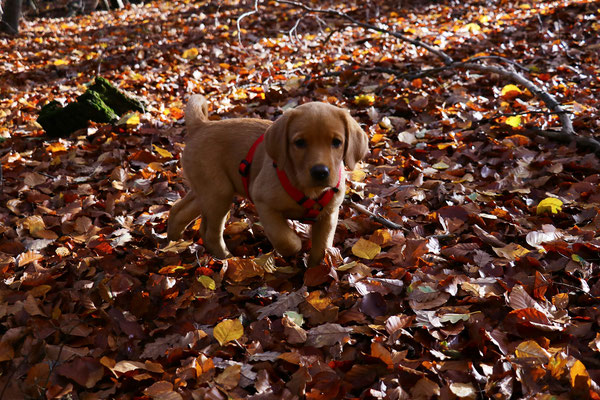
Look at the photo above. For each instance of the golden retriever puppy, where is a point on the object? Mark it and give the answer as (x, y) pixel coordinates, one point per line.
(296, 172)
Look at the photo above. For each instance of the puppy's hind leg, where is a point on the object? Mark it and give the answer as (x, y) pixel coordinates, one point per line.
(215, 209)
(182, 213)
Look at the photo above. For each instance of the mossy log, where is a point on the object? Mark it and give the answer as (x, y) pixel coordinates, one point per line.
(102, 102)
(114, 98)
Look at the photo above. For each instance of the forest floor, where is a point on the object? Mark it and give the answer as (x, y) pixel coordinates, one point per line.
(490, 288)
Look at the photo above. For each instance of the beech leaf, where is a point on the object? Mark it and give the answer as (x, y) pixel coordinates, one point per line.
(228, 330)
(549, 205)
(365, 249)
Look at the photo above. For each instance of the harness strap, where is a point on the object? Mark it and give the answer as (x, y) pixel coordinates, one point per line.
(244, 168)
(312, 208)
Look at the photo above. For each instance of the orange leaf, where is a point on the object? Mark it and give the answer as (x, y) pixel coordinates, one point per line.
(580, 379)
(28, 257)
(240, 269)
(378, 351)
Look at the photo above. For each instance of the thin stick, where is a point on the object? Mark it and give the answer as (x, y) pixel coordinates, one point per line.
(378, 218)
(241, 17)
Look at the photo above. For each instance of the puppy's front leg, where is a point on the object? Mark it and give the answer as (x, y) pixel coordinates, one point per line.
(279, 233)
(323, 231)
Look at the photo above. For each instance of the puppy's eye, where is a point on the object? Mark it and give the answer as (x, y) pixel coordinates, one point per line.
(336, 142)
(300, 143)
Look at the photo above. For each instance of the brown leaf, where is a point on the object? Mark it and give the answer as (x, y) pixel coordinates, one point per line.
(31, 306)
(240, 269)
(286, 302)
(397, 322)
(230, 377)
(425, 389)
(327, 335)
(86, 371)
(293, 332)
(6, 351)
(37, 378)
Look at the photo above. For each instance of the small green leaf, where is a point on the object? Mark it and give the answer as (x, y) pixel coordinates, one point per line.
(295, 317)
(427, 289)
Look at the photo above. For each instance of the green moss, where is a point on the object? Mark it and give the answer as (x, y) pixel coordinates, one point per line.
(114, 98)
(102, 103)
(91, 105)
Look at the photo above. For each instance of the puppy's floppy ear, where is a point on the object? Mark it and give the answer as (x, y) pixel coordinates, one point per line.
(276, 139)
(357, 141)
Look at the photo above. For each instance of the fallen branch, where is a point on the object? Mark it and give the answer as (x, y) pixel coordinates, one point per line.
(450, 63)
(551, 103)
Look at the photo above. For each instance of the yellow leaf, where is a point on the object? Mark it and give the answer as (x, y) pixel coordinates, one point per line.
(550, 205)
(364, 100)
(162, 152)
(190, 54)
(207, 282)
(579, 376)
(484, 19)
(472, 28)
(228, 330)
(131, 119)
(511, 251)
(376, 138)
(61, 62)
(511, 90)
(239, 94)
(557, 366)
(358, 175)
(365, 249)
(514, 121)
(56, 147)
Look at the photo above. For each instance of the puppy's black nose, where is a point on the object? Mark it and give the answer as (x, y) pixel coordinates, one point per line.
(319, 172)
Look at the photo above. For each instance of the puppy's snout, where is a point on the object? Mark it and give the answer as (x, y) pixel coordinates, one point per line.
(319, 172)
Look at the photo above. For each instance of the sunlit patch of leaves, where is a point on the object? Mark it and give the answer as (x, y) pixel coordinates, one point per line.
(490, 289)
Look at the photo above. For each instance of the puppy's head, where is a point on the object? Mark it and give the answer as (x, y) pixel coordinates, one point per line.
(312, 141)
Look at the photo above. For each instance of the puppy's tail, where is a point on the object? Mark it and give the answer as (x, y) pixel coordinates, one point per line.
(196, 111)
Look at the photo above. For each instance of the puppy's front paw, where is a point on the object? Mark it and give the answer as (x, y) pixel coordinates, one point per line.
(218, 251)
(314, 259)
(290, 247)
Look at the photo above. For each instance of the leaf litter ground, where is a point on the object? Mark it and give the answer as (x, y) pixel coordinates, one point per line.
(490, 289)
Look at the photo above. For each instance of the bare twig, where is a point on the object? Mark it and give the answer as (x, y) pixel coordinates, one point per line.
(241, 17)
(441, 54)
(378, 218)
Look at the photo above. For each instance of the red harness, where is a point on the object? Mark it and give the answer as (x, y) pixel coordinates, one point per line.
(312, 208)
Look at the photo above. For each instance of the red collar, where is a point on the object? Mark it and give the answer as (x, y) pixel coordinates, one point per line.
(312, 208)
